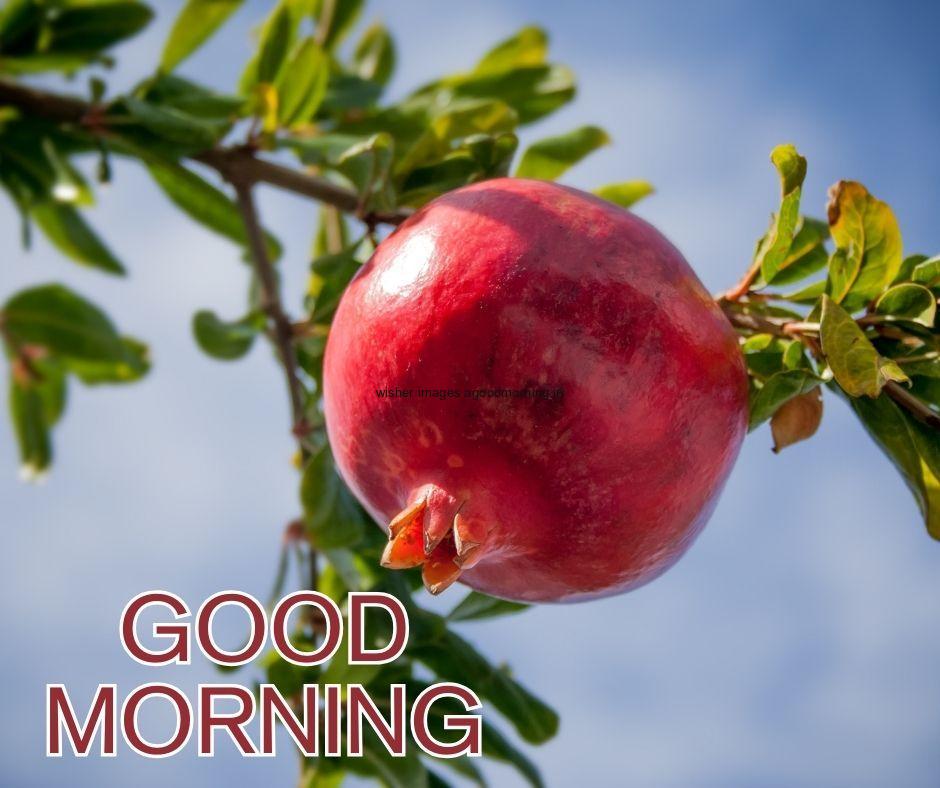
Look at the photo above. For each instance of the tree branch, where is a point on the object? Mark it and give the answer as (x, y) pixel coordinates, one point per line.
(281, 329)
(237, 162)
(242, 163)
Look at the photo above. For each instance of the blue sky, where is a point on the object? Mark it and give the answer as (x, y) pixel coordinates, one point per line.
(797, 643)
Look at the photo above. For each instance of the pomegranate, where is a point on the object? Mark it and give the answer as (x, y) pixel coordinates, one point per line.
(534, 391)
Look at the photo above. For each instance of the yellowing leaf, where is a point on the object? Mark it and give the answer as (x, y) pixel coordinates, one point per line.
(854, 361)
(626, 193)
(867, 235)
(843, 270)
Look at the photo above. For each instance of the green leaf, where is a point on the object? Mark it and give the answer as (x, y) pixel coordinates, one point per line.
(64, 323)
(552, 157)
(35, 406)
(367, 165)
(70, 234)
(223, 340)
(532, 91)
(426, 183)
(302, 85)
(766, 354)
(909, 301)
(95, 25)
(464, 766)
(39, 36)
(773, 249)
(339, 671)
(927, 272)
(778, 389)
(189, 98)
(450, 126)
(495, 745)
(374, 56)
(330, 274)
(286, 676)
(807, 295)
(19, 21)
(436, 781)
(334, 518)
(204, 203)
(70, 186)
(191, 133)
(335, 18)
(32, 432)
(198, 20)
(908, 264)
(807, 253)
(404, 772)
(866, 233)
(276, 39)
(134, 365)
(528, 47)
(854, 361)
(626, 193)
(452, 658)
(348, 92)
(323, 773)
(499, 748)
(480, 156)
(475, 606)
(491, 152)
(913, 448)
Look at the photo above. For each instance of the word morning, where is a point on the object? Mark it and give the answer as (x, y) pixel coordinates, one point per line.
(321, 719)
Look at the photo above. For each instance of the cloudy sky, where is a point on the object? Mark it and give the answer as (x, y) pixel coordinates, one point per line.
(797, 644)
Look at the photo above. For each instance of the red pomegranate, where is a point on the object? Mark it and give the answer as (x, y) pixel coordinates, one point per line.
(534, 391)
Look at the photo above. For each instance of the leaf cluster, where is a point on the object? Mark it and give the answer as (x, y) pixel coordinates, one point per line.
(865, 327)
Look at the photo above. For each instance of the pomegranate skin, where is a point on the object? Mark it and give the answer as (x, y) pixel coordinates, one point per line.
(512, 284)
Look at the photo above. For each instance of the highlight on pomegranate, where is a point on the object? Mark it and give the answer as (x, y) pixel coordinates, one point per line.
(507, 341)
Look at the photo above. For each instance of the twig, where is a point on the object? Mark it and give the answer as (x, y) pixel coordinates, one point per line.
(232, 162)
(282, 334)
(241, 162)
(744, 284)
(918, 409)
